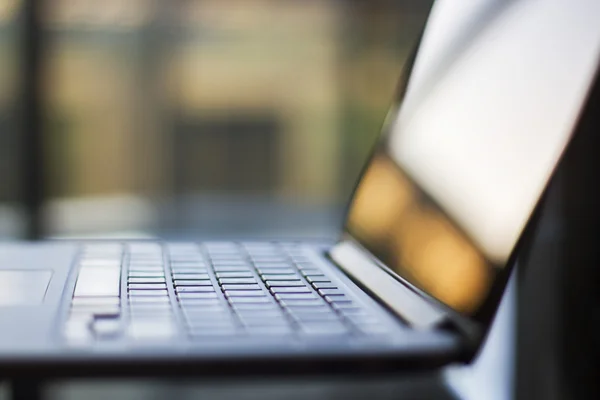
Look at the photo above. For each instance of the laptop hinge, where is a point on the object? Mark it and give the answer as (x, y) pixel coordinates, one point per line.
(409, 305)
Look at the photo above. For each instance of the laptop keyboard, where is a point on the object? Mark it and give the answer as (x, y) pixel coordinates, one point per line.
(221, 290)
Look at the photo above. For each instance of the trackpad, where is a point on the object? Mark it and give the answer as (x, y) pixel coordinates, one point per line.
(19, 288)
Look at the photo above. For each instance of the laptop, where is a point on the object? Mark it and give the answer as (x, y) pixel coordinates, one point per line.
(433, 228)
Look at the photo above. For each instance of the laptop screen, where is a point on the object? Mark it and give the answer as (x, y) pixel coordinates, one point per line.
(468, 150)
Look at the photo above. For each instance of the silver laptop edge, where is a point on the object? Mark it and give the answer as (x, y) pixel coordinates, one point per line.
(410, 306)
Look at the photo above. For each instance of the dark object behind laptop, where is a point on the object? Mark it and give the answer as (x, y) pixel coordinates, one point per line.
(558, 348)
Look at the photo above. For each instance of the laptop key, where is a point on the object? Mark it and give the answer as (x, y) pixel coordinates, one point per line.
(287, 283)
(100, 262)
(264, 322)
(176, 272)
(206, 329)
(149, 293)
(199, 303)
(146, 272)
(188, 270)
(204, 282)
(268, 259)
(210, 320)
(134, 274)
(146, 255)
(190, 254)
(216, 307)
(241, 287)
(187, 264)
(240, 300)
(306, 266)
(279, 271)
(196, 295)
(232, 269)
(253, 307)
(311, 271)
(317, 278)
(146, 280)
(344, 307)
(145, 268)
(189, 277)
(237, 281)
(234, 274)
(199, 315)
(230, 263)
(212, 324)
(96, 301)
(331, 292)
(297, 289)
(98, 281)
(226, 258)
(272, 265)
(149, 299)
(338, 299)
(101, 248)
(146, 286)
(244, 293)
(324, 285)
(295, 296)
(278, 277)
(151, 259)
(220, 318)
(94, 306)
(292, 303)
(301, 259)
(192, 268)
(194, 289)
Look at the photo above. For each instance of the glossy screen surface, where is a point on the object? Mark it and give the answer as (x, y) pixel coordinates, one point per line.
(469, 149)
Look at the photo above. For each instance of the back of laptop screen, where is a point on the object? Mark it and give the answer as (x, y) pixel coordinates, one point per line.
(468, 152)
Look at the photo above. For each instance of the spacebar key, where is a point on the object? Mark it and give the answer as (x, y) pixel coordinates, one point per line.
(98, 281)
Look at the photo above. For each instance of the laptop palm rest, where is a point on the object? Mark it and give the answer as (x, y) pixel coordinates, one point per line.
(23, 287)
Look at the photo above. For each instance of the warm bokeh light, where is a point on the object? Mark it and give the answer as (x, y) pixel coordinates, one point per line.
(391, 217)
(383, 195)
(427, 247)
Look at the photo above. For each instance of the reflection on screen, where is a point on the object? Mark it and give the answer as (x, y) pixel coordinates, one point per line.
(450, 188)
(393, 218)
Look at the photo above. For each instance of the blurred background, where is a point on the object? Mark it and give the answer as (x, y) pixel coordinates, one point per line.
(192, 118)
